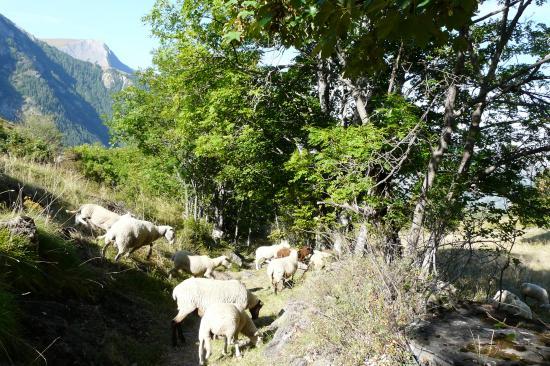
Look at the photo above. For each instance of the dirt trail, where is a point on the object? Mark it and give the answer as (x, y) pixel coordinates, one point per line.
(187, 354)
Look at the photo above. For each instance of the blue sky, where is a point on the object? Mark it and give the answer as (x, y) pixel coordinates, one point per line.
(115, 22)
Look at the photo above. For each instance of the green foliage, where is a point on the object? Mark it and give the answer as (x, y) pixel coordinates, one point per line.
(37, 139)
(366, 28)
(127, 169)
(217, 118)
(195, 235)
(343, 163)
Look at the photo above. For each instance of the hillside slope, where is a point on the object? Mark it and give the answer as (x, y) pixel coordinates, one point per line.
(36, 78)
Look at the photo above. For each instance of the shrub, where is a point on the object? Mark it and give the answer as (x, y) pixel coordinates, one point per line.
(196, 235)
(363, 309)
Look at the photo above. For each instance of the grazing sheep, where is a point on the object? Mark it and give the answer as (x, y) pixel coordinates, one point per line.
(228, 321)
(199, 293)
(510, 303)
(303, 253)
(280, 269)
(318, 259)
(536, 292)
(94, 216)
(130, 234)
(197, 265)
(268, 252)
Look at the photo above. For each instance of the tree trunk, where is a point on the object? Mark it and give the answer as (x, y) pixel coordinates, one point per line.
(394, 71)
(323, 85)
(361, 242)
(433, 165)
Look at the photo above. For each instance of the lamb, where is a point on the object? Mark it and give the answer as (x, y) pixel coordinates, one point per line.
(130, 234)
(197, 265)
(536, 292)
(94, 216)
(510, 303)
(318, 259)
(199, 293)
(228, 321)
(280, 269)
(268, 252)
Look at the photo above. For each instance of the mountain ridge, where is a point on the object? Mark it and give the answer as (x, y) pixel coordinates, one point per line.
(38, 79)
(90, 50)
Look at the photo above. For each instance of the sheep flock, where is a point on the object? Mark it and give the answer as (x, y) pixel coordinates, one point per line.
(223, 304)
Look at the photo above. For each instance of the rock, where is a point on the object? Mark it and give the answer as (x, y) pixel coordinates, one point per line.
(298, 362)
(471, 333)
(509, 302)
(234, 258)
(22, 226)
(294, 320)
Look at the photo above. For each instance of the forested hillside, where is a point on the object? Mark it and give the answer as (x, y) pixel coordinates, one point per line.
(394, 175)
(39, 79)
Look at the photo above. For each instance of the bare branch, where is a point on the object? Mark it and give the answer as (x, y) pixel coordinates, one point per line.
(488, 15)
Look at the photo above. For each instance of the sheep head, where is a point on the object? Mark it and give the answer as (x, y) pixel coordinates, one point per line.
(255, 311)
(168, 233)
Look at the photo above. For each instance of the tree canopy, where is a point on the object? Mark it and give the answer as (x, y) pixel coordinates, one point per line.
(393, 117)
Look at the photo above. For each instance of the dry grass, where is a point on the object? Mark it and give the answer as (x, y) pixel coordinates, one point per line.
(69, 188)
(477, 271)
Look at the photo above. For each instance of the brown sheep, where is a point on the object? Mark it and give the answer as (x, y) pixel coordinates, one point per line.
(303, 253)
(283, 252)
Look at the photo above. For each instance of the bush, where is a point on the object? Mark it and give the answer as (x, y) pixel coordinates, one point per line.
(196, 235)
(37, 139)
(127, 170)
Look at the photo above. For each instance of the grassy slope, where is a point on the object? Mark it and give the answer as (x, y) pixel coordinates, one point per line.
(102, 311)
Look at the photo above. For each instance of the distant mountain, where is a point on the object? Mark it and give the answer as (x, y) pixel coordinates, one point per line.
(90, 50)
(36, 78)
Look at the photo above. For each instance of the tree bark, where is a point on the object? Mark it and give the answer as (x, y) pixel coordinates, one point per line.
(323, 85)
(395, 68)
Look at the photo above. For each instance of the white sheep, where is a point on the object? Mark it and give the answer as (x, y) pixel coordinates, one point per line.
(228, 321)
(536, 292)
(199, 293)
(197, 265)
(268, 252)
(318, 259)
(280, 269)
(130, 234)
(510, 303)
(94, 216)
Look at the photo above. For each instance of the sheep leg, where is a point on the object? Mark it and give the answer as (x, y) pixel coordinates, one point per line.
(177, 331)
(150, 251)
(208, 273)
(119, 254)
(225, 344)
(107, 243)
(235, 342)
(208, 346)
(201, 351)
